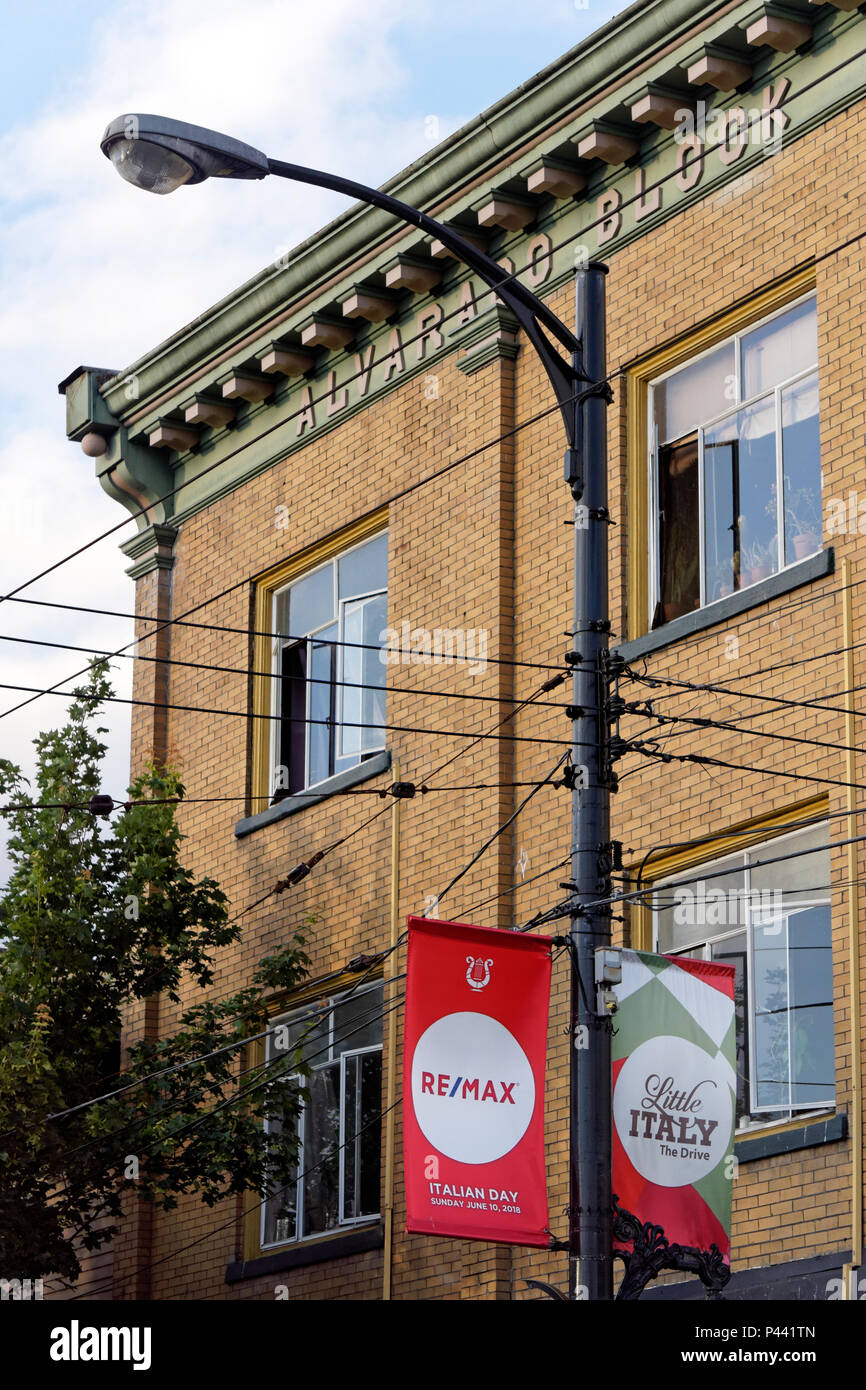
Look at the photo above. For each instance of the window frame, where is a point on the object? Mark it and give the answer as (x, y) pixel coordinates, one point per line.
(281, 646)
(263, 683)
(308, 1009)
(654, 444)
(660, 362)
(708, 936)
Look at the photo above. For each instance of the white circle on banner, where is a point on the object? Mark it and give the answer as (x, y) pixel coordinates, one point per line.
(673, 1111)
(472, 1088)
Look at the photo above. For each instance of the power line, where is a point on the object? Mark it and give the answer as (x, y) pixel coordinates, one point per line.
(243, 582)
(191, 1061)
(506, 279)
(779, 666)
(279, 676)
(180, 621)
(244, 1093)
(218, 463)
(707, 723)
(715, 689)
(648, 752)
(715, 835)
(316, 794)
(722, 873)
(146, 1268)
(502, 828)
(734, 722)
(304, 868)
(270, 1075)
(761, 894)
(322, 854)
(516, 887)
(288, 719)
(478, 854)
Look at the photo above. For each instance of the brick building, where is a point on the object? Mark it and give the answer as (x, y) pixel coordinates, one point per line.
(361, 440)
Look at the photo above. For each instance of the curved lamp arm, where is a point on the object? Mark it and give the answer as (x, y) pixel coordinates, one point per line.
(530, 311)
(158, 154)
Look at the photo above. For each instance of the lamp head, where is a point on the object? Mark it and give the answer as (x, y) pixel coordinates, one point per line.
(158, 154)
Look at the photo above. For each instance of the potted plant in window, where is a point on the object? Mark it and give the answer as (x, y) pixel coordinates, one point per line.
(720, 579)
(759, 560)
(803, 520)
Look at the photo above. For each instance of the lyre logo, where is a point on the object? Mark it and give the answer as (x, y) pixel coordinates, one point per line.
(478, 972)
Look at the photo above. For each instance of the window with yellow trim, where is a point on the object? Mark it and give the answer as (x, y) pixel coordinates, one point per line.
(337, 1183)
(323, 694)
(771, 921)
(735, 470)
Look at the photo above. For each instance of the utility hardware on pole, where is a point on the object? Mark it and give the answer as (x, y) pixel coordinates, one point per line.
(159, 155)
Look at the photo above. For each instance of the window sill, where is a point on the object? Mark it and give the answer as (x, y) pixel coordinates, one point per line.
(803, 572)
(290, 805)
(784, 1141)
(351, 1242)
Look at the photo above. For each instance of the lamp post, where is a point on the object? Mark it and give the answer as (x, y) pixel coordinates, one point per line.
(159, 155)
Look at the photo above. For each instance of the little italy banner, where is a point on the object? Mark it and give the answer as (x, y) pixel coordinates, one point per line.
(674, 1096)
(477, 1003)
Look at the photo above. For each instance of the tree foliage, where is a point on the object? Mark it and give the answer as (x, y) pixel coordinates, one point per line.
(99, 914)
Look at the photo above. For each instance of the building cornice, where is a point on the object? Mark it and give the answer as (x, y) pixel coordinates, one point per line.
(302, 347)
(432, 182)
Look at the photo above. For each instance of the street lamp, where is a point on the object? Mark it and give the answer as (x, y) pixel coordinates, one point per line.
(159, 155)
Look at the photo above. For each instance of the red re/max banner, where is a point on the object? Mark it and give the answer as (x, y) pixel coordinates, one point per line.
(477, 1003)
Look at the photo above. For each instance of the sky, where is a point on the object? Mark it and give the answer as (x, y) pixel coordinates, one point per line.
(94, 272)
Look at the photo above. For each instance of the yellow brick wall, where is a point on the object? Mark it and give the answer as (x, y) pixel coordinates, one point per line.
(485, 546)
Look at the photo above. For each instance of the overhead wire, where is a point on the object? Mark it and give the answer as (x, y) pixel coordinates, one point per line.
(248, 672)
(69, 678)
(504, 282)
(290, 719)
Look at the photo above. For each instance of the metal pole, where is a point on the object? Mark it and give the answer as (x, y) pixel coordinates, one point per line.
(590, 1222)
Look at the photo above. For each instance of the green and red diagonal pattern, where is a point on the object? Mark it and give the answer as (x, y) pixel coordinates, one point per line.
(674, 1096)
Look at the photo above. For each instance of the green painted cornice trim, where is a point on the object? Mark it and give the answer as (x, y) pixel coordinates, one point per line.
(151, 549)
(475, 332)
(493, 336)
(564, 85)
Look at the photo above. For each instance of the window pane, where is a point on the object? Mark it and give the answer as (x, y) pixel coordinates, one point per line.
(721, 507)
(310, 603)
(365, 569)
(801, 455)
(281, 1216)
(312, 1030)
(358, 1020)
(772, 1016)
(363, 695)
(732, 951)
(293, 727)
(698, 909)
(794, 1049)
(281, 1210)
(811, 990)
(740, 490)
(320, 1158)
(780, 349)
(322, 695)
(362, 1129)
(679, 531)
(695, 393)
(790, 882)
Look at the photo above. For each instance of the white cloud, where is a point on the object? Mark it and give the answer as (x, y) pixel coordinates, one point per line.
(91, 271)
